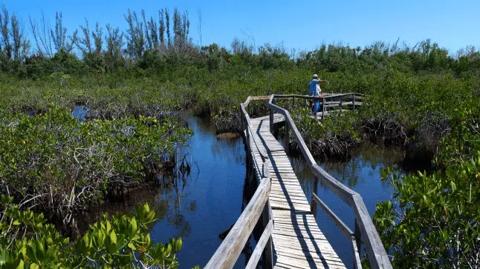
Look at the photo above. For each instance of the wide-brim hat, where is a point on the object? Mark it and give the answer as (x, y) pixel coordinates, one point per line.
(315, 76)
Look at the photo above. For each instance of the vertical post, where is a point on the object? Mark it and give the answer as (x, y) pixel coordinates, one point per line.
(323, 107)
(271, 120)
(353, 101)
(314, 190)
(358, 236)
(271, 116)
(268, 251)
(286, 137)
(341, 104)
(313, 207)
(245, 127)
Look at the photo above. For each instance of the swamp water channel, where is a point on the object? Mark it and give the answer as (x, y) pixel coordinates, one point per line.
(204, 203)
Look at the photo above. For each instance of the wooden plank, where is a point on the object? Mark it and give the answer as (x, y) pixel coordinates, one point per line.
(299, 242)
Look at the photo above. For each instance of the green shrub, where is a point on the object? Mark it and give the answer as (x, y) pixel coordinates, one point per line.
(28, 241)
(436, 222)
(65, 165)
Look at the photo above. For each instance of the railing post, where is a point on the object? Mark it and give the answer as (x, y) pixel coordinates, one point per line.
(271, 121)
(247, 131)
(286, 137)
(313, 207)
(353, 101)
(341, 104)
(268, 251)
(358, 236)
(323, 107)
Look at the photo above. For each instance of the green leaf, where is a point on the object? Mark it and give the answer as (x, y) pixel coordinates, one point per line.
(133, 225)
(21, 265)
(131, 246)
(113, 237)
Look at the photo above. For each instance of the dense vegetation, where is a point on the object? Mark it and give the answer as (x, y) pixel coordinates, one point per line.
(28, 241)
(62, 165)
(420, 98)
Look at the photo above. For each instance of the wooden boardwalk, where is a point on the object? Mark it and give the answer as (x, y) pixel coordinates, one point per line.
(297, 240)
(291, 237)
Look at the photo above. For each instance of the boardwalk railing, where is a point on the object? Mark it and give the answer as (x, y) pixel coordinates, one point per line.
(329, 101)
(230, 249)
(259, 208)
(365, 231)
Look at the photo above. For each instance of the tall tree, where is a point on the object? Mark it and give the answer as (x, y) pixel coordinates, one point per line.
(98, 39)
(162, 27)
(4, 32)
(167, 21)
(135, 35)
(20, 44)
(41, 35)
(59, 36)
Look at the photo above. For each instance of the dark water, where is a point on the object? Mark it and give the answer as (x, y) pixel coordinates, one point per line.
(361, 173)
(80, 112)
(209, 202)
(198, 206)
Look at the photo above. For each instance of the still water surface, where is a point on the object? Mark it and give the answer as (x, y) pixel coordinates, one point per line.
(211, 199)
(361, 173)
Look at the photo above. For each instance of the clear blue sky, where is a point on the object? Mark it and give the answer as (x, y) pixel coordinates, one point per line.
(299, 25)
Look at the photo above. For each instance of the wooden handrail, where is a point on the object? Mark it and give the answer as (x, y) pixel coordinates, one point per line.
(347, 232)
(338, 222)
(375, 250)
(326, 96)
(231, 247)
(249, 130)
(262, 242)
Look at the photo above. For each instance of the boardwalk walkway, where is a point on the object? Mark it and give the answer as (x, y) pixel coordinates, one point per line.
(297, 240)
(291, 237)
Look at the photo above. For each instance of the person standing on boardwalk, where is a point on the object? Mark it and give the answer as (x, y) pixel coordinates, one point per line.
(315, 91)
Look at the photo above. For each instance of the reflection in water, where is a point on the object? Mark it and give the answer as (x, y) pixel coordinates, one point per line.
(361, 173)
(199, 204)
(209, 201)
(80, 112)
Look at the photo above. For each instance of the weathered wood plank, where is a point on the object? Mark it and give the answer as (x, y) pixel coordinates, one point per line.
(287, 199)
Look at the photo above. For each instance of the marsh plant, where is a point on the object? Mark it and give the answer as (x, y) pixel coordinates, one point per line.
(28, 241)
(61, 166)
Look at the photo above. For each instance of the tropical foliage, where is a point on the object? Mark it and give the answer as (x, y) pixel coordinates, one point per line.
(57, 163)
(28, 241)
